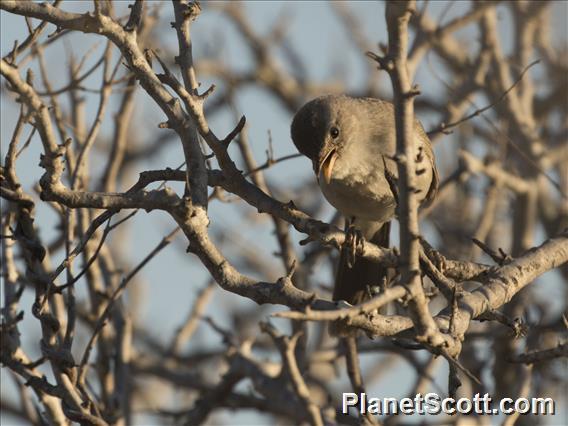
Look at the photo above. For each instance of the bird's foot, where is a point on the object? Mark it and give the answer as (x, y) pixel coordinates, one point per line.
(354, 244)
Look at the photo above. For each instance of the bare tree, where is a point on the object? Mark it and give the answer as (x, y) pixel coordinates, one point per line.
(470, 291)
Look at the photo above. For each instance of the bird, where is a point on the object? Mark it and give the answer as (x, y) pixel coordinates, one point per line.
(352, 143)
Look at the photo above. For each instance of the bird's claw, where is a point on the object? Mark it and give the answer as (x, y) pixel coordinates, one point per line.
(354, 244)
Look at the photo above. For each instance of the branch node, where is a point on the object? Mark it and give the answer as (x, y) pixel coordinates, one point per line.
(306, 241)
(135, 16)
(235, 131)
(413, 92)
(193, 10)
(384, 62)
(290, 205)
(207, 93)
(30, 77)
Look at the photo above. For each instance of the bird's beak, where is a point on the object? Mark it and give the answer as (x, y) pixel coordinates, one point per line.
(325, 166)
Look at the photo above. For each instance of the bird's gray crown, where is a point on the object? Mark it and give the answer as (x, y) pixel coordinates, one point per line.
(312, 123)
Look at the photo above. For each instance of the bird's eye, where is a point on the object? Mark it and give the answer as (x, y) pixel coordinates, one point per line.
(334, 132)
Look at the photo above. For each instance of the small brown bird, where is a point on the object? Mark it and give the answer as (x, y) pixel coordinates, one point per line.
(351, 143)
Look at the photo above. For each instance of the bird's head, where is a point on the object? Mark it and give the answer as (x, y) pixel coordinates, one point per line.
(320, 131)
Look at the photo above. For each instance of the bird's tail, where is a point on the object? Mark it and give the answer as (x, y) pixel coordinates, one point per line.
(353, 284)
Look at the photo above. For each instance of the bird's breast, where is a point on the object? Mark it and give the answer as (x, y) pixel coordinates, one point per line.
(360, 190)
